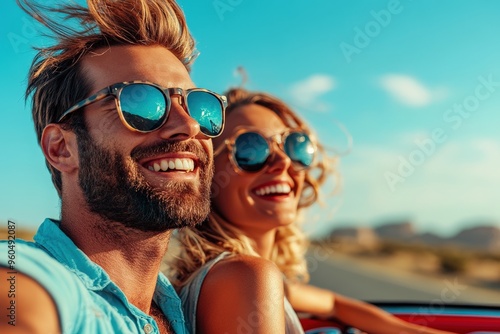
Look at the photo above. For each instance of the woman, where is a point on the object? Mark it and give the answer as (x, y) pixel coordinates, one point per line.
(231, 269)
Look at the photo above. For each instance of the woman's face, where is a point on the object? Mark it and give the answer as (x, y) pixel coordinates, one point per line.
(262, 200)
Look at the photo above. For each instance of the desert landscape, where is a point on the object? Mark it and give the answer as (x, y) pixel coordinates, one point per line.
(472, 254)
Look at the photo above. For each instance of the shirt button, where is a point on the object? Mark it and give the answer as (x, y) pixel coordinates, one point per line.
(148, 328)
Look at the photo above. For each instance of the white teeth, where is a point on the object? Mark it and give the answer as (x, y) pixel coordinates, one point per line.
(282, 188)
(178, 164)
(164, 165)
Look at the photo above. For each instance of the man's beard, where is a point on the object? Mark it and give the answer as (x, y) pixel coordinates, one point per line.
(117, 191)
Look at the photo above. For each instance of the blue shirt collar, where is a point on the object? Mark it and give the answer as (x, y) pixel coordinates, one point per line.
(56, 243)
(50, 237)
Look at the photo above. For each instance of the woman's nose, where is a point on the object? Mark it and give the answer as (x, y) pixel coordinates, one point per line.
(279, 160)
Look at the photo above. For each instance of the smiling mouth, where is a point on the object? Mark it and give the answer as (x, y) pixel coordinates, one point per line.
(171, 165)
(277, 189)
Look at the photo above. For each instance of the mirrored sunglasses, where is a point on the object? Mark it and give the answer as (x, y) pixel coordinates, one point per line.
(250, 151)
(144, 106)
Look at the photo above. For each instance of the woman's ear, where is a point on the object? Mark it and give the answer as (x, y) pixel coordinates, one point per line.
(60, 148)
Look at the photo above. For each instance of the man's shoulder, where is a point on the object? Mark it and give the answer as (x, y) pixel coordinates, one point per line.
(28, 261)
(21, 248)
(23, 252)
(32, 260)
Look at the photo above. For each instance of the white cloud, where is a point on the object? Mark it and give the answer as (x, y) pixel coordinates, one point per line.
(306, 93)
(409, 91)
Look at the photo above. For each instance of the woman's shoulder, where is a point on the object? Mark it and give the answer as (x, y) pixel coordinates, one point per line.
(239, 270)
(239, 286)
(239, 265)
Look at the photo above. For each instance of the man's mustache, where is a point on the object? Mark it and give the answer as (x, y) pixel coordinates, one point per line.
(192, 146)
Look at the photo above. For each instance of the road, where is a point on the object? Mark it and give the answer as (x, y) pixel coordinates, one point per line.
(375, 283)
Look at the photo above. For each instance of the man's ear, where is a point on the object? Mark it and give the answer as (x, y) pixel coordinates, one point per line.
(60, 148)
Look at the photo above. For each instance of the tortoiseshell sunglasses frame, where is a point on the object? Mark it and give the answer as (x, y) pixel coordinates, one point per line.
(116, 89)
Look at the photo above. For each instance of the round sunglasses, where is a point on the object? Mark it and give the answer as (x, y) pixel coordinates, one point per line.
(144, 106)
(250, 151)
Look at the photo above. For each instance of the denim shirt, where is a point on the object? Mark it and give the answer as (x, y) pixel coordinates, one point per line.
(86, 299)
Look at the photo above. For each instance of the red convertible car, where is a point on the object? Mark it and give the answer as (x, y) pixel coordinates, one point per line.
(463, 319)
(447, 302)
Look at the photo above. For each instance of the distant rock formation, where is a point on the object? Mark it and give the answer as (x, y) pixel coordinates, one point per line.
(429, 238)
(486, 238)
(483, 238)
(361, 235)
(396, 231)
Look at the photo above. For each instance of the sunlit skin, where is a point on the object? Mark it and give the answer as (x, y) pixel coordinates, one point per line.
(129, 270)
(165, 70)
(237, 201)
(259, 217)
(253, 279)
(131, 258)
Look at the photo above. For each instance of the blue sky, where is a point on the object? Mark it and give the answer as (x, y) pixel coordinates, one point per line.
(415, 84)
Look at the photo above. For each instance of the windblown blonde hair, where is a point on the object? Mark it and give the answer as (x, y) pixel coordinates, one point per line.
(216, 235)
(55, 80)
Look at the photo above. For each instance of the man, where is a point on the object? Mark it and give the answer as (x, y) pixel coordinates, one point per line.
(119, 125)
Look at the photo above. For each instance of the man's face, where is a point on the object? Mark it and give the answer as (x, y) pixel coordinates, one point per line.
(117, 171)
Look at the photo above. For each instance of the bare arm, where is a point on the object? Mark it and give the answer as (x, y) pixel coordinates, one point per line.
(28, 305)
(242, 294)
(364, 316)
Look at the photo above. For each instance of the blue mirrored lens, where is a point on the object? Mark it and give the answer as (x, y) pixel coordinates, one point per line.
(299, 147)
(143, 106)
(206, 109)
(251, 151)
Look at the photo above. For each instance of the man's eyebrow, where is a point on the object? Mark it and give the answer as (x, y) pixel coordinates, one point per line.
(107, 101)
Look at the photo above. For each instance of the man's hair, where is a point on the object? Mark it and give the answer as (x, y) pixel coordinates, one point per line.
(56, 82)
